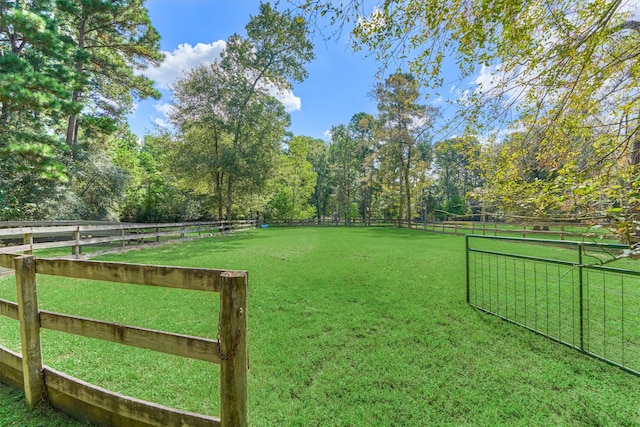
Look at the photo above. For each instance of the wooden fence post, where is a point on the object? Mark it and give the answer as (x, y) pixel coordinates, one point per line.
(75, 249)
(25, 267)
(27, 239)
(232, 349)
(122, 236)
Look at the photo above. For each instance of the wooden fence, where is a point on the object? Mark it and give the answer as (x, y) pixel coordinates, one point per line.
(15, 238)
(535, 230)
(103, 407)
(557, 231)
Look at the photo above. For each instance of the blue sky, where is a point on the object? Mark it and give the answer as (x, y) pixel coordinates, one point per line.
(339, 80)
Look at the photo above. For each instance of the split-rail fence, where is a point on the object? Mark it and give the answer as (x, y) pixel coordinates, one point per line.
(95, 404)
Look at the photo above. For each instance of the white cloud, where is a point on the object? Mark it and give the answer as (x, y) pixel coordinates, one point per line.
(487, 77)
(162, 123)
(187, 57)
(288, 99)
(163, 107)
(184, 58)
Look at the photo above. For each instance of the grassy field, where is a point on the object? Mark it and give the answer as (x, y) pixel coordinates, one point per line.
(347, 326)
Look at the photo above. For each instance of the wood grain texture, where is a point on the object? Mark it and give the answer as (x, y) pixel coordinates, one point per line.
(9, 309)
(29, 329)
(165, 342)
(11, 368)
(6, 260)
(198, 279)
(106, 408)
(233, 348)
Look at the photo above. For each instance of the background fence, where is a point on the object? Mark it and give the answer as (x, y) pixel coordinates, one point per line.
(560, 290)
(550, 230)
(100, 238)
(100, 406)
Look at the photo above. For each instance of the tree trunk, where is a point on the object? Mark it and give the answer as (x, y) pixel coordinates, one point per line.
(407, 184)
(72, 126)
(634, 156)
(229, 197)
(219, 197)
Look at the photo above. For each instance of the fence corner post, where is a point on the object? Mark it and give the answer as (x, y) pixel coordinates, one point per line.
(232, 349)
(25, 267)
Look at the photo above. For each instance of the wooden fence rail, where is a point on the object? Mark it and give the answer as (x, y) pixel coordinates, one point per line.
(107, 237)
(103, 407)
(558, 231)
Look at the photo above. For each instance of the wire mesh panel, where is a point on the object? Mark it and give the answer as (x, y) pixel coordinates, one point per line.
(612, 316)
(549, 287)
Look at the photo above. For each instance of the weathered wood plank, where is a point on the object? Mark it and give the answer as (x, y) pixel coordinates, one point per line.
(98, 240)
(233, 350)
(14, 249)
(116, 227)
(6, 260)
(11, 359)
(117, 409)
(11, 368)
(200, 279)
(165, 342)
(9, 309)
(56, 244)
(25, 268)
(15, 231)
(61, 229)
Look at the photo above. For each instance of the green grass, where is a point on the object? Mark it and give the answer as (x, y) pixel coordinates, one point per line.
(598, 309)
(13, 412)
(347, 326)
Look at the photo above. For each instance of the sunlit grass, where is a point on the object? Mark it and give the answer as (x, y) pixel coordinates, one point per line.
(347, 326)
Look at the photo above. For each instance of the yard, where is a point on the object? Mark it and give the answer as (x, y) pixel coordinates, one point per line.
(347, 326)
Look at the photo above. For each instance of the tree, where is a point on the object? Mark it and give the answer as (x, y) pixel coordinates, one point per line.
(362, 126)
(319, 158)
(151, 192)
(113, 39)
(57, 58)
(294, 183)
(34, 92)
(456, 163)
(559, 68)
(229, 104)
(344, 167)
(402, 131)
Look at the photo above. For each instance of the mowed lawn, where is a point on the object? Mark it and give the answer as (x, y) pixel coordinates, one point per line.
(347, 327)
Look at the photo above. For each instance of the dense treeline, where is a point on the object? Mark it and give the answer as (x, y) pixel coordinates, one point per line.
(70, 73)
(68, 76)
(555, 96)
(558, 119)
